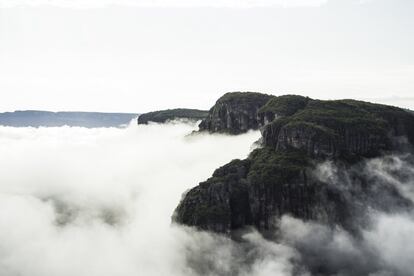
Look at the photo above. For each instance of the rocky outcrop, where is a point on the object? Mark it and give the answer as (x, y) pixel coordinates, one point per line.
(280, 177)
(247, 192)
(220, 203)
(235, 113)
(171, 114)
(343, 128)
(281, 106)
(269, 184)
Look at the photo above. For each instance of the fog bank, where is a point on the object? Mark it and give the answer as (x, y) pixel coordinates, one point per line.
(77, 201)
(85, 202)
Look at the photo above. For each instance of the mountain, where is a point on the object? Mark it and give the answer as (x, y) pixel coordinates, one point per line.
(170, 114)
(235, 113)
(35, 118)
(300, 138)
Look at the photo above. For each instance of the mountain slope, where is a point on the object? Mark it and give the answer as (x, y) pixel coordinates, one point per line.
(235, 113)
(162, 116)
(299, 137)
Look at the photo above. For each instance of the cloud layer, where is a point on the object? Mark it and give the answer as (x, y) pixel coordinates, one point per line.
(87, 202)
(77, 201)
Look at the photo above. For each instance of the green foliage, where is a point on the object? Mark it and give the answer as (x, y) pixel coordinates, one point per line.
(196, 209)
(207, 214)
(237, 167)
(242, 100)
(201, 209)
(244, 97)
(285, 105)
(171, 114)
(323, 131)
(332, 118)
(276, 176)
(270, 166)
(342, 113)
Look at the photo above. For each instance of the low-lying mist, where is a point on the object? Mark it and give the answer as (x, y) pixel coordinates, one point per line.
(77, 201)
(85, 202)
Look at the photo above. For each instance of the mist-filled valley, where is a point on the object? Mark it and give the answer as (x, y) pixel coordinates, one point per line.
(77, 201)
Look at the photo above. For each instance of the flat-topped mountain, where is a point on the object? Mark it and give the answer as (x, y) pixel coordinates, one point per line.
(35, 118)
(336, 128)
(299, 134)
(170, 114)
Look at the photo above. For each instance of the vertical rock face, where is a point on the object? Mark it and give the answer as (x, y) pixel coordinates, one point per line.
(235, 113)
(340, 128)
(256, 191)
(281, 106)
(278, 179)
(221, 203)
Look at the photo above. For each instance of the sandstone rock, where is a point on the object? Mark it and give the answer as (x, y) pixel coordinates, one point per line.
(171, 114)
(341, 128)
(235, 113)
(279, 178)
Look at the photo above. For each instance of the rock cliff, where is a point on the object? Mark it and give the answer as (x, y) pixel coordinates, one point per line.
(280, 178)
(235, 113)
(343, 128)
(170, 114)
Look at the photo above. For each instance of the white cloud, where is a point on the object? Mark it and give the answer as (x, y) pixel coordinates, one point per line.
(390, 237)
(76, 201)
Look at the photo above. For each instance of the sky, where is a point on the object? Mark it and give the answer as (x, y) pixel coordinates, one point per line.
(143, 55)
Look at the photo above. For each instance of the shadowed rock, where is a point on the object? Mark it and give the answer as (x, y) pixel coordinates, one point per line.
(298, 134)
(171, 114)
(36, 118)
(235, 113)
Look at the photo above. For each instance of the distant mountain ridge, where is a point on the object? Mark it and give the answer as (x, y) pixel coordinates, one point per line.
(38, 118)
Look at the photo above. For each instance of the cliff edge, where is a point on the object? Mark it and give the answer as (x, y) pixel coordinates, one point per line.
(163, 116)
(235, 113)
(299, 136)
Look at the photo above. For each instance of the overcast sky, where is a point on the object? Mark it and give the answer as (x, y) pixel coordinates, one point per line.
(142, 55)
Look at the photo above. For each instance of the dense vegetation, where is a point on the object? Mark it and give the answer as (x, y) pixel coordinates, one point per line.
(170, 114)
(247, 97)
(232, 181)
(235, 113)
(277, 179)
(335, 128)
(285, 105)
